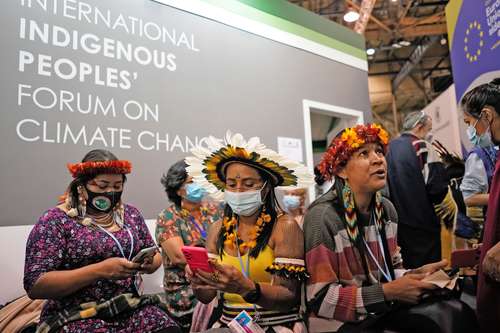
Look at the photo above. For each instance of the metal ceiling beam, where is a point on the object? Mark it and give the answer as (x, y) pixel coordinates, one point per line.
(429, 19)
(436, 66)
(365, 12)
(415, 58)
(416, 70)
(399, 60)
(420, 86)
(423, 30)
(412, 21)
(373, 18)
(405, 11)
(433, 3)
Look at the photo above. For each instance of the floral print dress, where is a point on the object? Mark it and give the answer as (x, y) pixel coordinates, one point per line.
(58, 242)
(176, 222)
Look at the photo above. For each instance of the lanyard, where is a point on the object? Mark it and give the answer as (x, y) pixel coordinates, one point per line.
(120, 247)
(201, 230)
(385, 271)
(492, 154)
(246, 272)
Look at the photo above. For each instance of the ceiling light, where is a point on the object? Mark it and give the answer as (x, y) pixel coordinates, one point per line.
(351, 16)
(443, 41)
(404, 43)
(370, 51)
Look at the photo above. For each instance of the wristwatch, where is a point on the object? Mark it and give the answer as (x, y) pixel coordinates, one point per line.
(253, 296)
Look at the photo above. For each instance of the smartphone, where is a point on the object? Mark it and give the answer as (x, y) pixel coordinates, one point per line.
(144, 253)
(465, 258)
(197, 258)
(453, 272)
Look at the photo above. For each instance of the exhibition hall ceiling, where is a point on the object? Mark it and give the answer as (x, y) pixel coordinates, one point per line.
(407, 46)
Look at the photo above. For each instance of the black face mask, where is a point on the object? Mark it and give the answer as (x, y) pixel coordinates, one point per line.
(103, 202)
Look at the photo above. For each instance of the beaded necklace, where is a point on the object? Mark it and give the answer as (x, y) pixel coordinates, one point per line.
(232, 237)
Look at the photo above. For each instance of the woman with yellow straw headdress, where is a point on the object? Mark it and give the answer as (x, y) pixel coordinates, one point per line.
(257, 250)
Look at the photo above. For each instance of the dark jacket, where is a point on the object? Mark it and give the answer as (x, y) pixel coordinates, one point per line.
(409, 193)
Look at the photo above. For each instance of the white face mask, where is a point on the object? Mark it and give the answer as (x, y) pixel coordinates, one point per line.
(244, 203)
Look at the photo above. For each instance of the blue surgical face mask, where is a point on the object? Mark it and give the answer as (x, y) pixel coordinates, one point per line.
(291, 202)
(483, 140)
(244, 203)
(194, 192)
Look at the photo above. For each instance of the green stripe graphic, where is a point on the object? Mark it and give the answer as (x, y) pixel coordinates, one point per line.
(295, 20)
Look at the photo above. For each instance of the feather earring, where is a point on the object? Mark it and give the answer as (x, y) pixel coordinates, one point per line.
(68, 202)
(350, 212)
(82, 206)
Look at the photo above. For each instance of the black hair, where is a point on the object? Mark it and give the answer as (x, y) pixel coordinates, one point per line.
(96, 155)
(487, 94)
(172, 181)
(270, 206)
(318, 177)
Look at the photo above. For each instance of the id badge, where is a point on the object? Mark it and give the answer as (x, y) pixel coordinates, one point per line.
(138, 284)
(243, 323)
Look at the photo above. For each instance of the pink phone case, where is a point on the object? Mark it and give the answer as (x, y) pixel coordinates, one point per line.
(197, 258)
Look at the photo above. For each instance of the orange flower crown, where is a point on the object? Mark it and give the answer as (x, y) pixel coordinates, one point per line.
(344, 145)
(99, 167)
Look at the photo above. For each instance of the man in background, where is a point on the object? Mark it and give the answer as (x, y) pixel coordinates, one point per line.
(416, 181)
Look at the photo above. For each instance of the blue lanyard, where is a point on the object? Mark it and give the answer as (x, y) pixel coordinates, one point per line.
(120, 247)
(491, 152)
(246, 272)
(201, 230)
(385, 271)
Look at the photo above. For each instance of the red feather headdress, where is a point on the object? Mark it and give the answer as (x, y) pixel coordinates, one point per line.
(100, 167)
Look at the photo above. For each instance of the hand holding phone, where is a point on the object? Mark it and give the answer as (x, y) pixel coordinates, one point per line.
(197, 258)
(144, 253)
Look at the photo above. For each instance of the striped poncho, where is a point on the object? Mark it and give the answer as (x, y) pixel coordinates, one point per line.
(338, 291)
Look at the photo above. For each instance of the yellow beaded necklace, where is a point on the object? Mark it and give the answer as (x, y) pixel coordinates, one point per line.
(232, 236)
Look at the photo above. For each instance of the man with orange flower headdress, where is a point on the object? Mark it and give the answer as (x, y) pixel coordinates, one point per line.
(357, 282)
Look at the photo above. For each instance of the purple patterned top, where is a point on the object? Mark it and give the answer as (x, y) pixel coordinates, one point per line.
(59, 242)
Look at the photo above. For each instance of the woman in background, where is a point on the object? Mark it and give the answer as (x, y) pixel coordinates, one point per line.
(479, 169)
(483, 102)
(294, 200)
(184, 222)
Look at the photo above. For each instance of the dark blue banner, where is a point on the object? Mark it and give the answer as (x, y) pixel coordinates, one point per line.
(475, 42)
